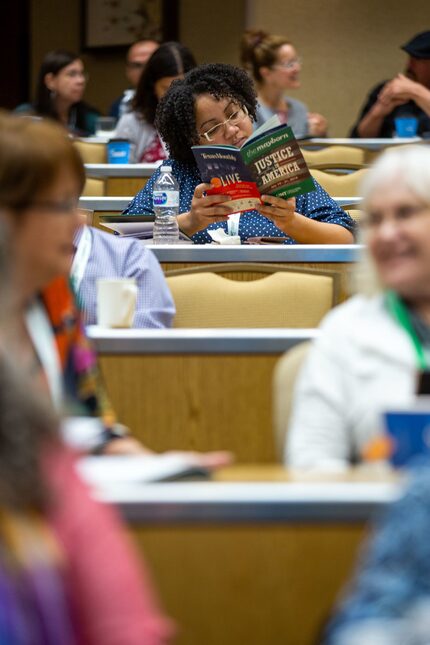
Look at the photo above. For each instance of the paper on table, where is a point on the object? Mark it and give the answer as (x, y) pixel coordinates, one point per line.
(131, 229)
(106, 471)
(220, 237)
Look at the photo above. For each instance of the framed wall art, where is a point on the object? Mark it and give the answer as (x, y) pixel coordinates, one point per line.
(118, 23)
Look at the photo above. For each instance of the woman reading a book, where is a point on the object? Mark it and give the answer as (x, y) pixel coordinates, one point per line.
(275, 67)
(216, 103)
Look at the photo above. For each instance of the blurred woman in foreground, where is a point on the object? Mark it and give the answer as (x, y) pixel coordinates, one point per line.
(41, 177)
(67, 573)
(373, 347)
(59, 94)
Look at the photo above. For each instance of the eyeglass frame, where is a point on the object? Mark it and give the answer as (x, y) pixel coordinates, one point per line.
(73, 73)
(242, 108)
(400, 216)
(295, 62)
(65, 207)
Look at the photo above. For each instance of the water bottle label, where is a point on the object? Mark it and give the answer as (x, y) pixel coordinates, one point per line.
(169, 199)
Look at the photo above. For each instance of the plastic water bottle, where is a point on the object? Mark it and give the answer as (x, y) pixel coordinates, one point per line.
(165, 197)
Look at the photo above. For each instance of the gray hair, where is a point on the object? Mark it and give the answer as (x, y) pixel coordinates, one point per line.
(408, 165)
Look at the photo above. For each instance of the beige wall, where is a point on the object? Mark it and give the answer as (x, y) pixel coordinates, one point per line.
(56, 24)
(347, 46)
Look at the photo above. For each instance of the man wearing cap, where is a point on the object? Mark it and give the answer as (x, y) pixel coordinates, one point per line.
(406, 95)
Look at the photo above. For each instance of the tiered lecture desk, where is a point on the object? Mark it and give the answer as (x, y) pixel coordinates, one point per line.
(197, 389)
(334, 258)
(373, 147)
(338, 259)
(121, 179)
(256, 557)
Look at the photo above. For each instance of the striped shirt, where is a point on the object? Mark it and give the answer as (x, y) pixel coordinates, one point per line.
(113, 256)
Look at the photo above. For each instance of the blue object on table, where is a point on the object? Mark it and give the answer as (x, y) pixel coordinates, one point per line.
(410, 433)
(118, 151)
(406, 126)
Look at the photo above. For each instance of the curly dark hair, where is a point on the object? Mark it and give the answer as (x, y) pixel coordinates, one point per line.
(175, 118)
(170, 59)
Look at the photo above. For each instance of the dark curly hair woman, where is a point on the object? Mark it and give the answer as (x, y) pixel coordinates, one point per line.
(169, 62)
(216, 104)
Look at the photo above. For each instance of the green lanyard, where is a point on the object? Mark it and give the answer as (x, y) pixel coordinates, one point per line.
(400, 313)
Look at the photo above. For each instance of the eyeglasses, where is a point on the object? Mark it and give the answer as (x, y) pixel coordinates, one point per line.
(74, 73)
(400, 215)
(66, 207)
(234, 119)
(135, 65)
(294, 62)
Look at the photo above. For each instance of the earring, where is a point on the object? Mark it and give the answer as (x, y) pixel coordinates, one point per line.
(52, 94)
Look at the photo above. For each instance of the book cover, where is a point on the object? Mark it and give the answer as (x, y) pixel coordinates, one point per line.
(223, 167)
(270, 162)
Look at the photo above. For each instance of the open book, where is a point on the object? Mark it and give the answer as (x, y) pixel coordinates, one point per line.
(270, 162)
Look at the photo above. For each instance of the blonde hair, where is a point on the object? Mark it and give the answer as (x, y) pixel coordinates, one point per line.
(259, 49)
(32, 152)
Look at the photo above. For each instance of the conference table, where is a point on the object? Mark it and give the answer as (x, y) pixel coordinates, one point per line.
(117, 203)
(258, 555)
(191, 389)
(121, 179)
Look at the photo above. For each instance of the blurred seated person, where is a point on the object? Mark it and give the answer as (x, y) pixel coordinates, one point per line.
(169, 62)
(275, 67)
(41, 177)
(137, 57)
(68, 574)
(373, 346)
(216, 103)
(102, 255)
(388, 601)
(406, 95)
(59, 94)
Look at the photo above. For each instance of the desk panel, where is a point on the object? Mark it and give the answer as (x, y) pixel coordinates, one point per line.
(268, 556)
(192, 390)
(196, 402)
(253, 584)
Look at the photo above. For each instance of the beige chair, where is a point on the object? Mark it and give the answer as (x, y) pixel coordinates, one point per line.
(94, 187)
(347, 185)
(282, 298)
(284, 378)
(335, 158)
(91, 152)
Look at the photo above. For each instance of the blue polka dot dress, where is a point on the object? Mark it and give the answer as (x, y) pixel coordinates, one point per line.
(317, 205)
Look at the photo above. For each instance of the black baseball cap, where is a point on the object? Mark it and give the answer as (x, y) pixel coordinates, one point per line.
(418, 46)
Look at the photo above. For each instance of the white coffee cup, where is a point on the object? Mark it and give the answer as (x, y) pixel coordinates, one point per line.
(116, 302)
